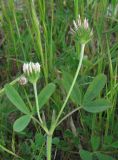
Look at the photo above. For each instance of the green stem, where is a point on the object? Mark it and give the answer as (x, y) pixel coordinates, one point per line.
(10, 152)
(11, 83)
(42, 125)
(37, 104)
(49, 146)
(71, 88)
(49, 136)
(69, 114)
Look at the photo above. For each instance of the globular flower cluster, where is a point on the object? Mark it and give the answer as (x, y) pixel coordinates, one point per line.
(81, 30)
(23, 80)
(32, 71)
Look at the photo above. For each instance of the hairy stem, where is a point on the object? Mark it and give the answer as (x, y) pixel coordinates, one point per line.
(71, 87)
(49, 146)
(37, 104)
(69, 114)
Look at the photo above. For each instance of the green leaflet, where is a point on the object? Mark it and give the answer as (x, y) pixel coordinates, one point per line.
(16, 99)
(85, 155)
(95, 142)
(45, 94)
(102, 156)
(94, 88)
(76, 93)
(114, 145)
(97, 106)
(21, 123)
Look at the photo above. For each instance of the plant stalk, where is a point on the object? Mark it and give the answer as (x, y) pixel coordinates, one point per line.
(49, 146)
(49, 136)
(11, 83)
(37, 104)
(72, 85)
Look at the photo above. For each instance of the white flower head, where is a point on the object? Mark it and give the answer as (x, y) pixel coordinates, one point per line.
(28, 68)
(81, 30)
(32, 71)
(79, 23)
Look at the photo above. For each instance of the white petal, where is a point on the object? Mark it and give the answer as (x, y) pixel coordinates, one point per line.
(33, 66)
(75, 25)
(86, 25)
(27, 68)
(72, 31)
(37, 67)
(79, 21)
(30, 67)
(79, 16)
(24, 67)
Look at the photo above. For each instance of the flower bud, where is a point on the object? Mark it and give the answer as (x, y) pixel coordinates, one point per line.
(23, 80)
(81, 30)
(32, 71)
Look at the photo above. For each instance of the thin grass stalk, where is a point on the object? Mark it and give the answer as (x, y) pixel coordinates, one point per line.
(9, 35)
(42, 14)
(76, 13)
(111, 86)
(12, 8)
(76, 9)
(51, 31)
(40, 54)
